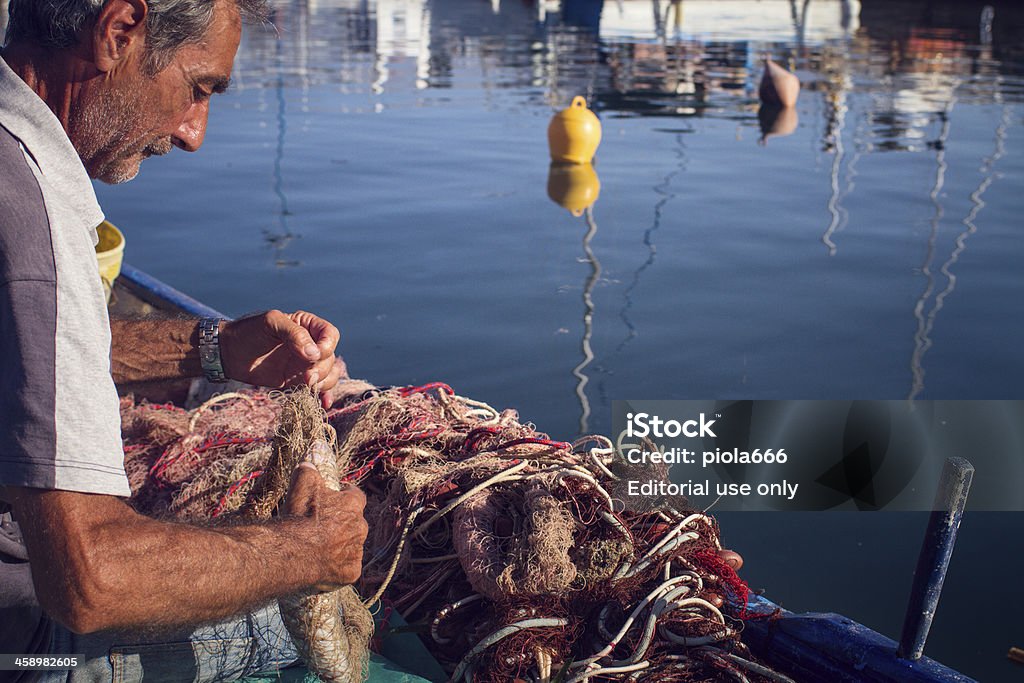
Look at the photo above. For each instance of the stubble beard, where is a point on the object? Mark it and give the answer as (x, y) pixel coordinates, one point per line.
(98, 132)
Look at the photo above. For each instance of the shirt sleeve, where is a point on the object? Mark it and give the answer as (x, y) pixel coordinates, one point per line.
(59, 417)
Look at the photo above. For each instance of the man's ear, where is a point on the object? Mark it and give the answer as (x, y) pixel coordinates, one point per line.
(119, 32)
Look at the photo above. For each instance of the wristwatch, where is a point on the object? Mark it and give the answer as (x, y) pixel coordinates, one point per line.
(209, 350)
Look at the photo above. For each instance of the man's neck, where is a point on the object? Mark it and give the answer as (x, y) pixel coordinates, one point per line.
(55, 76)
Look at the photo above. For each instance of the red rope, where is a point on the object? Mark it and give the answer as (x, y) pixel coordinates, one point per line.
(233, 488)
(476, 436)
(213, 441)
(424, 388)
(383, 627)
(414, 432)
(403, 392)
(161, 406)
(736, 587)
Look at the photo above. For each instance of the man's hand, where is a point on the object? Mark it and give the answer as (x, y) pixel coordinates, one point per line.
(279, 350)
(338, 515)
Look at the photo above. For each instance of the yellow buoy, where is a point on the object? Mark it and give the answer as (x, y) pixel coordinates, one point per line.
(573, 186)
(109, 253)
(574, 133)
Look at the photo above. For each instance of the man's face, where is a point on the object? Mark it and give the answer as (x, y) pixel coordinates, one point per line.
(128, 115)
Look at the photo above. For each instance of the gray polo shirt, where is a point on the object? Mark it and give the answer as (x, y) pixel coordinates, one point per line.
(60, 426)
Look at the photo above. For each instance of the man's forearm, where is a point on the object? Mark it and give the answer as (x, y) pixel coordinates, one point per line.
(185, 574)
(110, 567)
(149, 350)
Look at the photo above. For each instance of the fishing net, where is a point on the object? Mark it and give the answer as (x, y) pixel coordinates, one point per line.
(512, 553)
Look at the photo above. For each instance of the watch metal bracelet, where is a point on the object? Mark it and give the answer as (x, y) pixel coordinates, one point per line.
(209, 350)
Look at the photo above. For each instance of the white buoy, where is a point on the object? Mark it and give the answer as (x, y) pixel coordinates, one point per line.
(778, 86)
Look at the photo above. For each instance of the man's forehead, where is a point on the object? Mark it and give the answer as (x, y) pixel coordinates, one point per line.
(209, 61)
(208, 69)
(220, 43)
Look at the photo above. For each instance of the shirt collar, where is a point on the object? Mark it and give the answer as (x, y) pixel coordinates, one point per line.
(28, 118)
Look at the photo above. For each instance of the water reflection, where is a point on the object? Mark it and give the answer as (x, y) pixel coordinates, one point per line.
(884, 70)
(588, 321)
(926, 323)
(922, 340)
(776, 121)
(835, 117)
(678, 58)
(280, 239)
(649, 56)
(666, 194)
(575, 187)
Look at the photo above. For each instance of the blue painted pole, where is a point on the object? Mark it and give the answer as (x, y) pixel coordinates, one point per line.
(937, 549)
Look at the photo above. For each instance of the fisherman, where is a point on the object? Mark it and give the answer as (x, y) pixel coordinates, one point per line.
(89, 89)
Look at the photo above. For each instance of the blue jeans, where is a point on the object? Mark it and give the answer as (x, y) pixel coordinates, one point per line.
(245, 646)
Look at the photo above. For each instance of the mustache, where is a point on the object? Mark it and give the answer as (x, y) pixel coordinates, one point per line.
(158, 147)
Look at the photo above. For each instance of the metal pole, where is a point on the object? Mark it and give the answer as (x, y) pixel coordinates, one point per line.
(932, 563)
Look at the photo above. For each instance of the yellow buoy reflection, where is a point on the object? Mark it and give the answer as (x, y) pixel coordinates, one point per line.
(573, 186)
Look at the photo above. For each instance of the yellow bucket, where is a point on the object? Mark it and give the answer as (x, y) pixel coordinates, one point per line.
(109, 253)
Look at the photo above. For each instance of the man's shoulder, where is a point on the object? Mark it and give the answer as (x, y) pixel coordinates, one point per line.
(26, 250)
(15, 167)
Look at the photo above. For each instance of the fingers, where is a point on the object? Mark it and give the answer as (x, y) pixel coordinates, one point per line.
(303, 490)
(334, 519)
(344, 539)
(295, 335)
(319, 349)
(280, 350)
(324, 335)
(328, 383)
(318, 374)
(354, 497)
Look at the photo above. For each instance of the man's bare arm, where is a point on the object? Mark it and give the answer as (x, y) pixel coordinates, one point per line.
(97, 564)
(154, 349)
(271, 349)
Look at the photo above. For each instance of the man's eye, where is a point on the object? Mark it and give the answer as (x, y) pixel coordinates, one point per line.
(199, 94)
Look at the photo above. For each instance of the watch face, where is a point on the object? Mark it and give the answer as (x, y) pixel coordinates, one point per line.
(208, 355)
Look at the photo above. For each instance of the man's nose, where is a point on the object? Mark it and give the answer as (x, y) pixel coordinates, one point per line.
(192, 130)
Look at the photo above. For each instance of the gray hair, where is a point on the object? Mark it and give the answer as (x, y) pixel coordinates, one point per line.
(170, 24)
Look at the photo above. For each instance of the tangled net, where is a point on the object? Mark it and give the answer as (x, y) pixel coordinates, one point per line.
(508, 549)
